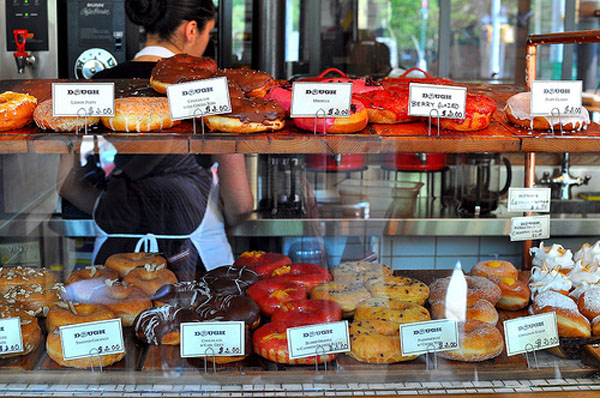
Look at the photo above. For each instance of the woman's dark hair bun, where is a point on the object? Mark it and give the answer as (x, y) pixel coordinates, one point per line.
(145, 12)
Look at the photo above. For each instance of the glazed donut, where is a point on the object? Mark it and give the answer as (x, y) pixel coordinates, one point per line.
(387, 106)
(376, 341)
(140, 114)
(122, 263)
(43, 118)
(252, 83)
(357, 121)
(495, 268)
(230, 308)
(271, 293)
(150, 278)
(248, 115)
(124, 300)
(81, 283)
(589, 303)
(395, 287)
(596, 326)
(359, 271)
(478, 114)
(262, 263)
(270, 342)
(517, 111)
(306, 275)
(515, 293)
(307, 312)
(571, 323)
(16, 110)
(347, 294)
(36, 298)
(281, 92)
(19, 275)
(478, 341)
(72, 314)
(161, 325)
(394, 311)
(30, 329)
(230, 279)
(180, 68)
(477, 288)
(477, 309)
(188, 294)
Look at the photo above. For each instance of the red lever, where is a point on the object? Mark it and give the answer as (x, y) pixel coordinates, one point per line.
(20, 40)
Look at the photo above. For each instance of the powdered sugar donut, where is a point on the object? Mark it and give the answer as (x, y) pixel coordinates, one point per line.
(477, 288)
(517, 111)
(589, 303)
(571, 323)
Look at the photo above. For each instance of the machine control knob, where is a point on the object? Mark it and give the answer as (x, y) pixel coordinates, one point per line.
(92, 61)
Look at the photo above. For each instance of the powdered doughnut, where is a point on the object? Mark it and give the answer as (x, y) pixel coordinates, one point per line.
(16, 110)
(43, 119)
(478, 341)
(477, 287)
(571, 323)
(477, 309)
(495, 268)
(515, 293)
(140, 114)
(589, 303)
(517, 111)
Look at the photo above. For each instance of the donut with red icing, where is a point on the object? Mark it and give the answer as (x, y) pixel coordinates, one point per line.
(307, 312)
(271, 293)
(387, 106)
(357, 121)
(263, 263)
(478, 114)
(304, 274)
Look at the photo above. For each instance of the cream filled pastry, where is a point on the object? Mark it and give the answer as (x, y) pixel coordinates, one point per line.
(553, 257)
(543, 279)
(589, 273)
(588, 253)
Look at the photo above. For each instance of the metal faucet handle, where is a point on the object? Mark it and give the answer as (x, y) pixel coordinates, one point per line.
(545, 180)
(586, 180)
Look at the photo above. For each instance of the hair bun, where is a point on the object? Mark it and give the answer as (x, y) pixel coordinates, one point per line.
(145, 12)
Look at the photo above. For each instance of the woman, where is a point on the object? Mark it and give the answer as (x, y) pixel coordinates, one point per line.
(177, 197)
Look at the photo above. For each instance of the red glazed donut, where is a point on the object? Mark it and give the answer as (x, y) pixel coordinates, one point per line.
(307, 312)
(271, 293)
(478, 113)
(262, 263)
(304, 274)
(359, 85)
(357, 121)
(387, 106)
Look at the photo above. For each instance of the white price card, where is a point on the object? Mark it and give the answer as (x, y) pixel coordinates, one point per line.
(321, 339)
(310, 99)
(555, 97)
(530, 333)
(446, 102)
(11, 340)
(83, 99)
(529, 199)
(430, 336)
(205, 339)
(529, 228)
(92, 339)
(199, 98)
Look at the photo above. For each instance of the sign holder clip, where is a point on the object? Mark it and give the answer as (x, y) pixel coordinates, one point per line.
(531, 349)
(431, 112)
(214, 360)
(555, 112)
(198, 113)
(317, 117)
(431, 359)
(85, 122)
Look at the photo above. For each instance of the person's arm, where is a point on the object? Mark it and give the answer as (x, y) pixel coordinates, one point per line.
(72, 185)
(234, 188)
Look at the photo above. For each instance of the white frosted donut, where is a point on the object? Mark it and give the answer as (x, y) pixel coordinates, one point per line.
(140, 114)
(518, 112)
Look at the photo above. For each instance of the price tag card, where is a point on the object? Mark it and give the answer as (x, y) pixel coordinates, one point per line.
(83, 99)
(529, 199)
(530, 333)
(11, 340)
(92, 339)
(199, 98)
(430, 336)
(324, 338)
(205, 339)
(555, 97)
(310, 99)
(529, 228)
(447, 102)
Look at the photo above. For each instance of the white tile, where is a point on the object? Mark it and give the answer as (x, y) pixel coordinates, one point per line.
(450, 262)
(412, 246)
(400, 263)
(457, 246)
(500, 245)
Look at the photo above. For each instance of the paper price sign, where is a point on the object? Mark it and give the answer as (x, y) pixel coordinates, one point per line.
(92, 339)
(199, 98)
(430, 336)
(447, 102)
(529, 199)
(205, 339)
(310, 99)
(83, 99)
(529, 228)
(530, 333)
(321, 339)
(11, 340)
(555, 97)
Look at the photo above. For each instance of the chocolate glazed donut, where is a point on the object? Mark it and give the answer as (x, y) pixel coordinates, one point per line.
(230, 308)
(230, 279)
(161, 325)
(187, 294)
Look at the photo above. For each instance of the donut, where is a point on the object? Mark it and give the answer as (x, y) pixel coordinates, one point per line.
(359, 271)
(347, 294)
(307, 312)
(376, 341)
(404, 81)
(230, 279)
(36, 298)
(596, 326)
(140, 114)
(124, 300)
(251, 83)
(495, 268)
(359, 85)
(515, 293)
(270, 342)
(261, 262)
(185, 294)
(54, 350)
(248, 115)
(477, 309)
(30, 329)
(16, 110)
(180, 68)
(306, 275)
(478, 114)
(517, 111)
(478, 341)
(357, 121)
(44, 119)
(395, 287)
(161, 325)
(81, 283)
(394, 311)
(589, 303)
(122, 263)
(570, 322)
(150, 278)
(387, 106)
(230, 307)
(72, 314)
(19, 275)
(271, 293)
(281, 92)
(477, 288)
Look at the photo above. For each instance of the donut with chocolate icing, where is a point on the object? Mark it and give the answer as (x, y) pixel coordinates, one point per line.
(230, 279)
(161, 325)
(248, 115)
(184, 294)
(262, 263)
(180, 68)
(251, 83)
(230, 308)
